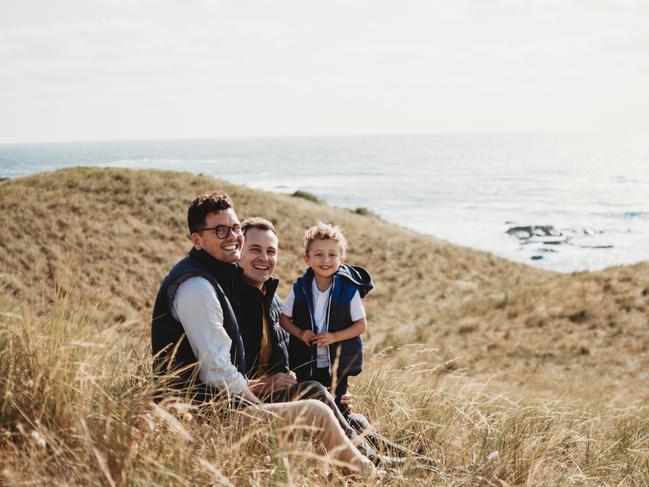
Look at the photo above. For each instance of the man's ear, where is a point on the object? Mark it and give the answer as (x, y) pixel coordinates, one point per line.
(197, 241)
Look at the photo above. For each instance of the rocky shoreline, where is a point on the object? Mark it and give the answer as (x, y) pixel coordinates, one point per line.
(549, 239)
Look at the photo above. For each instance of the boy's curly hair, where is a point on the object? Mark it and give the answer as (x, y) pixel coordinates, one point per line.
(324, 231)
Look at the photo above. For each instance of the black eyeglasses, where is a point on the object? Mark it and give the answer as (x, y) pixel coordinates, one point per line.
(222, 231)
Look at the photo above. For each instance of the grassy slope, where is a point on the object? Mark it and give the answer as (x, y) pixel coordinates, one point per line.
(104, 238)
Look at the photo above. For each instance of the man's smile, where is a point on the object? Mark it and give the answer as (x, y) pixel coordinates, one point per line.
(231, 246)
(259, 255)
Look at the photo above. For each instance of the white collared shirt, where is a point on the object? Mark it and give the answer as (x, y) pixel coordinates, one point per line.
(197, 308)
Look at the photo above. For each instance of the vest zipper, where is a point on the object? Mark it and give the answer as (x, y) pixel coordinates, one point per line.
(331, 292)
(309, 304)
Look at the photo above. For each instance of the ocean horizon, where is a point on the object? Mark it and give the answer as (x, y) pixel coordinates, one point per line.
(563, 202)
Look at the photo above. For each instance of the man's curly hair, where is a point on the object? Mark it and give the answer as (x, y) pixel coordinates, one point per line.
(203, 205)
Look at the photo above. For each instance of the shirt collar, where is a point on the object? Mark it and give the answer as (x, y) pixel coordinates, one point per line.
(316, 291)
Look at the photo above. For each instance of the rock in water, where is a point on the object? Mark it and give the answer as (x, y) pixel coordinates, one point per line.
(524, 232)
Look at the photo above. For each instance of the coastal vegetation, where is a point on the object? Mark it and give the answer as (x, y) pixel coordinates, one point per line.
(306, 195)
(503, 373)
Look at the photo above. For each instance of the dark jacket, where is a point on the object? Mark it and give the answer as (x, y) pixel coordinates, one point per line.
(348, 354)
(169, 344)
(249, 303)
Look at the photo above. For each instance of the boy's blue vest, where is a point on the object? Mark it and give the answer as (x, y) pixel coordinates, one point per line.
(346, 357)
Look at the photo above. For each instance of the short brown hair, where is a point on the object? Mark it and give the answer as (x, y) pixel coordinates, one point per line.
(203, 205)
(257, 222)
(324, 231)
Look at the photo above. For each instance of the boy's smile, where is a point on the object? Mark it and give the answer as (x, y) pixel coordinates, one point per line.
(324, 258)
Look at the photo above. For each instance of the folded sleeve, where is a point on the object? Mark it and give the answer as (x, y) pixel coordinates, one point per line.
(288, 304)
(356, 307)
(197, 307)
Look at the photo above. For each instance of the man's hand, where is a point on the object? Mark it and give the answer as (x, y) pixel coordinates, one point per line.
(271, 383)
(280, 380)
(322, 339)
(307, 336)
(249, 395)
(256, 386)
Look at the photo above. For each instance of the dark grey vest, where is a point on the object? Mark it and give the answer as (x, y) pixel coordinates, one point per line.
(174, 361)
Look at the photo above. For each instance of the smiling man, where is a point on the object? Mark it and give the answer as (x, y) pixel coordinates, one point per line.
(193, 322)
(258, 308)
(196, 341)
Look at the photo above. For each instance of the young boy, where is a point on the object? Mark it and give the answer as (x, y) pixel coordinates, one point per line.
(324, 314)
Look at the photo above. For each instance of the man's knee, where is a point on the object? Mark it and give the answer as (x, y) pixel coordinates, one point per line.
(360, 423)
(312, 389)
(318, 411)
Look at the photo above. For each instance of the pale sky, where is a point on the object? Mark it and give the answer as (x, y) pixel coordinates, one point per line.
(147, 69)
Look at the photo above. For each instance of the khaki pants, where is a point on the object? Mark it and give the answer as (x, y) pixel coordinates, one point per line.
(312, 418)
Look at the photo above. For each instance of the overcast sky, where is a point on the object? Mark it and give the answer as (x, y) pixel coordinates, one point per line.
(138, 69)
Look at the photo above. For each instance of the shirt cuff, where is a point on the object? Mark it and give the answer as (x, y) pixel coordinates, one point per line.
(238, 385)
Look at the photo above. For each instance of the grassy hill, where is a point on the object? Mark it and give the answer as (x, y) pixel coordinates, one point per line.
(508, 374)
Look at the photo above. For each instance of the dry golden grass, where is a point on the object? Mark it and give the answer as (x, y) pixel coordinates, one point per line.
(507, 374)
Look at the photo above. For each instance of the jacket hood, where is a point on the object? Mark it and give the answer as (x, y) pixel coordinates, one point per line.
(355, 274)
(358, 276)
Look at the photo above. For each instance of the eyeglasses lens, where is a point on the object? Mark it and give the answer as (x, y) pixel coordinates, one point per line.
(223, 231)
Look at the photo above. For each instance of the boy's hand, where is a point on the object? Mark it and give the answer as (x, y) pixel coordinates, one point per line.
(307, 336)
(347, 399)
(323, 339)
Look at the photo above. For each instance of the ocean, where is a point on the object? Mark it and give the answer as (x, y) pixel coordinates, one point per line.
(569, 202)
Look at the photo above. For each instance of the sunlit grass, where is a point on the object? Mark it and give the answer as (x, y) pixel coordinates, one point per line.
(504, 374)
(77, 409)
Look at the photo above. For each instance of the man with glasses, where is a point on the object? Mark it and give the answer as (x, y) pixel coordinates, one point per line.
(196, 340)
